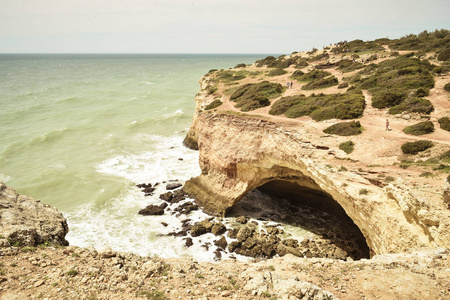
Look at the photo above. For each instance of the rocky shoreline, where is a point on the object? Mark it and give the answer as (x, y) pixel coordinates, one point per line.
(259, 236)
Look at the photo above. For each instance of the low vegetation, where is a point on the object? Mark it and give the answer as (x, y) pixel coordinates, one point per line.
(310, 76)
(447, 87)
(347, 147)
(343, 85)
(412, 105)
(216, 103)
(420, 128)
(282, 62)
(357, 46)
(277, 72)
(321, 83)
(344, 128)
(444, 122)
(436, 41)
(416, 147)
(255, 95)
(347, 65)
(321, 107)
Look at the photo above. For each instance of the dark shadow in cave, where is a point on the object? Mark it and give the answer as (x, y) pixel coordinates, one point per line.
(312, 210)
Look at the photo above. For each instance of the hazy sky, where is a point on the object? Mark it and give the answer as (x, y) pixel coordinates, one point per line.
(208, 26)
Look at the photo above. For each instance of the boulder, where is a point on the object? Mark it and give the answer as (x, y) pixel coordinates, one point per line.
(172, 186)
(25, 221)
(244, 233)
(218, 229)
(198, 230)
(152, 210)
(221, 243)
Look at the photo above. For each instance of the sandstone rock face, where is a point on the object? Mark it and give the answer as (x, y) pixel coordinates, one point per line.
(25, 221)
(239, 154)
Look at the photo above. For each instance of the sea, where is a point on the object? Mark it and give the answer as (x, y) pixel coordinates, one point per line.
(79, 131)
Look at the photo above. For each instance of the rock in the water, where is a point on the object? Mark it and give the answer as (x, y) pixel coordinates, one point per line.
(28, 222)
(244, 233)
(172, 186)
(188, 242)
(198, 230)
(242, 219)
(207, 224)
(218, 229)
(222, 243)
(152, 210)
(166, 196)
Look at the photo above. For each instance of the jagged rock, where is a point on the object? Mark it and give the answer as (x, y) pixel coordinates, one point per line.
(152, 210)
(242, 219)
(152, 268)
(198, 230)
(186, 208)
(221, 243)
(292, 287)
(232, 232)
(207, 224)
(218, 229)
(106, 253)
(233, 246)
(188, 242)
(28, 222)
(166, 196)
(172, 186)
(244, 233)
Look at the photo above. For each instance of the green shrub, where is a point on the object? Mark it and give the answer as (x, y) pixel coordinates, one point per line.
(216, 103)
(344, 128)
(240, 66)
(347, 65)
(363, 191)
(255, 95)
(310, 76)
(388, 98)
(412, 105)
(321, 83)
(444, 122)
(416, 147)
(318, 57)
(420, 128)
(444, 55)
(421, 92)
(343, 85)
(72, 272)
(321, 107)
(277, 72)
(211, 89)
(347, 147)
(447, 87)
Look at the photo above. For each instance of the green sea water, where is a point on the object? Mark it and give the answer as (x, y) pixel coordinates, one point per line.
(79, 131)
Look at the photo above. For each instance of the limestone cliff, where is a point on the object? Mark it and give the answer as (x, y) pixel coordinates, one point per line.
(239, 153)
(25, 221)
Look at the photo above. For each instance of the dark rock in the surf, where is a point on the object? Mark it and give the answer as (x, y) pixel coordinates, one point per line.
(188, 242)
(186, 208)
(244, 233)
(172, 186)
(242, 219)
(166, 196)
(232, 233)
(152, 210)
(233, 246)
(164, 224)
(218, 229)
(198, 230)
(180, 159)
(217, 255)
(178, 195)
(207, 224)
(221, 243)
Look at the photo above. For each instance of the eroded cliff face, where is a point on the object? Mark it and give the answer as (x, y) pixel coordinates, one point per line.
(241, 153)
(25, 221)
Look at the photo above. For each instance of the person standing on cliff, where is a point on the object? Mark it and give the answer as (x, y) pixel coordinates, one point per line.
(287, 85)
(291, 84)
(387, 125)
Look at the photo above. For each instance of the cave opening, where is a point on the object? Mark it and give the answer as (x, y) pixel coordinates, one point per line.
(313, 223)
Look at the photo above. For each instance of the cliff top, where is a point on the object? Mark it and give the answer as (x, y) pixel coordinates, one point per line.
(396, 90)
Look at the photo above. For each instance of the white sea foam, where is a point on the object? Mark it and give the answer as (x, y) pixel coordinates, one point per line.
(149, 83)
(5, 178)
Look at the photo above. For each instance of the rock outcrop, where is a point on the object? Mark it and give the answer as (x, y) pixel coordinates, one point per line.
(239, 153)
(25, 221)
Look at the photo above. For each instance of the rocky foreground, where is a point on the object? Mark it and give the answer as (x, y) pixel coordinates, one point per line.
(77, 273)
(36, 264)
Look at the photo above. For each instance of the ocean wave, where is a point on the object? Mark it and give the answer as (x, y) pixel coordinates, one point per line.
(172, 116)
(162, 163)
(149, 83)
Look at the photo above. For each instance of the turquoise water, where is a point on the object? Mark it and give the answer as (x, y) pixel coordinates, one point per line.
(79, 131)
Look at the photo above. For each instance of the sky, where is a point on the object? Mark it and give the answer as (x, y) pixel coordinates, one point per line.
(208, 26)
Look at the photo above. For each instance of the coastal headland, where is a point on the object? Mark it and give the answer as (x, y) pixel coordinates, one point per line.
(357, 133)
